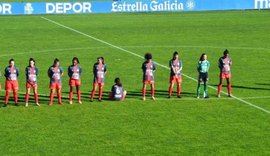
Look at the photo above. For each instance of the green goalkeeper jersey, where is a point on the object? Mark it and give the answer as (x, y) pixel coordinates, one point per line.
(203, 66)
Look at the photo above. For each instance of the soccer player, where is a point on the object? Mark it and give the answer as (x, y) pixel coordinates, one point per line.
(74, 73)
(99, 71)
(118, 92)
(202, 68)
(175, 76)
(148, 68)
(31, 72)
(55, 72)
(224, 64)
(11, 74)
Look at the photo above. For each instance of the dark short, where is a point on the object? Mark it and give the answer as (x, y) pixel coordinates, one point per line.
(203, 77)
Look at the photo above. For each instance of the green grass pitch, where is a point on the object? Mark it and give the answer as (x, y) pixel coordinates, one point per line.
(186, 126)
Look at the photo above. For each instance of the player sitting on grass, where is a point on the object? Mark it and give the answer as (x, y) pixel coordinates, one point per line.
(117, 91)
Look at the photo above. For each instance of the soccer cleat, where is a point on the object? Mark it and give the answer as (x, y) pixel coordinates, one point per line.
(37, 104)
(80, 102)
(178, 96)
(143, 98)
(153, 98)
(218, 95)
(60, 103)
(50, 104)
(70, 102)
(198, 97)
(99, 100)
(5, 105)
(169, 97)
(16, 104)
(26, 104)
(206, 97)
(229, 95)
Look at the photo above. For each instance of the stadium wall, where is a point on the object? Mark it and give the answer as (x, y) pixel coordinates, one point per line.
(27, 8)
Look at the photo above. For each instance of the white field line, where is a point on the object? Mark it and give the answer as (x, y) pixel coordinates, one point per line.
(132, 53)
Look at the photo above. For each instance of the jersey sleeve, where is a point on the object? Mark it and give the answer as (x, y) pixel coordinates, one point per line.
(105, 68)
(49, 72)
(37, 70)
(143, 67)
(69, 71)
(220, 64)
(6, 72)
(17, 71)
(61, 70)
(112, 89)
(80, 70)
(154, 66)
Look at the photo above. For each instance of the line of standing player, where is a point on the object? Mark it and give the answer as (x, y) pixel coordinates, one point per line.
(55, 72)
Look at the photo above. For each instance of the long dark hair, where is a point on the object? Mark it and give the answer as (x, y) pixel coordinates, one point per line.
(201, 58)
(102, 58)
(75, 58)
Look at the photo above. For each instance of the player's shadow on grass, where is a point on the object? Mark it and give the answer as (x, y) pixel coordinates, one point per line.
(158, 93)
(85, 96)
(263, 84)
(246, 87)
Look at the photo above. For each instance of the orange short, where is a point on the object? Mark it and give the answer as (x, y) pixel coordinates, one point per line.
(98, 84)
(12, 85)
(225, 75)
(73, 82)
(177, 79)
(55, 86)
(30, 85)
(148, 82)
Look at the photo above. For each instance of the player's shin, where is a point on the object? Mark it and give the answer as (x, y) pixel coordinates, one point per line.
(7, 97)
(205, 89)
(26, 97)
(198, 89)
(15, 94)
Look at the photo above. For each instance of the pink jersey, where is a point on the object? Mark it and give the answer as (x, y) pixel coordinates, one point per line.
(11, 73)
(225, 64)
(74, 72)
(31, 74)
(99, 71)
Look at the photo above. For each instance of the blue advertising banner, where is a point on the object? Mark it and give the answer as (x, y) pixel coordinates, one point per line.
(22, 8)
